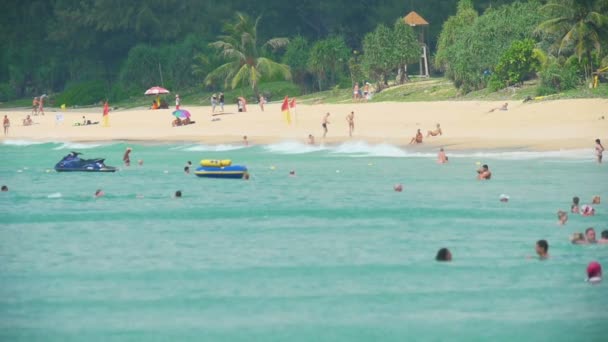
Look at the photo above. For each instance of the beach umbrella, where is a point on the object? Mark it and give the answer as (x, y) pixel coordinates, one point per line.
(156, 91)
(181, 114)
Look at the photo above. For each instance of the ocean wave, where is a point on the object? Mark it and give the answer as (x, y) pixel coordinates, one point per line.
(210, 148)
(293, 147)
(21, 142)
(363, 149)
(78, 146)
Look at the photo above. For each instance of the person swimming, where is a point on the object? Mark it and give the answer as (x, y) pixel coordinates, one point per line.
(99, 193)
(542, 249)
(562, 217)
(594, 272)
(503, 198)
(187, 167)
(398, 187)
(484, 173)
(587, 210)
(178, 194)
(443, 254)
(590, 235)
(4, 188)
(574, 208)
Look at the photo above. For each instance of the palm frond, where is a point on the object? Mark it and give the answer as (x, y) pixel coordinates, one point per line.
(223, 72)
(242, 76)
(276, 43)
(269, 68)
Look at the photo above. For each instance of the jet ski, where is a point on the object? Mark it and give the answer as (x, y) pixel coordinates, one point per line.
(72, 162)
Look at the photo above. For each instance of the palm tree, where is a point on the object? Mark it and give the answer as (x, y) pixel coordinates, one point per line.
(579, 25)
(245, 63)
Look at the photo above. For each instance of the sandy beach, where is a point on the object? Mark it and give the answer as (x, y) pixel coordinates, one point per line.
(547, 125)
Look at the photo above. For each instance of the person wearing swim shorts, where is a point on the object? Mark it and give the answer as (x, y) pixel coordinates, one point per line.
(441, 157)
(324, 124)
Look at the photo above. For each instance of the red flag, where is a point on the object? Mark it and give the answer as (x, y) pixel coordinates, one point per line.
(293, 103)
(285, 110)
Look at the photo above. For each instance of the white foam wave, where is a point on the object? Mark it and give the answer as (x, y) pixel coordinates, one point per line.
(212, 148)
(55, 195)
(363, 149)
(21, 142)
(293, 147)
(78, 146)
(528, 155)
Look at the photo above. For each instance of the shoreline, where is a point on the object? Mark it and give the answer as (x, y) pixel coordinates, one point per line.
(467, 125)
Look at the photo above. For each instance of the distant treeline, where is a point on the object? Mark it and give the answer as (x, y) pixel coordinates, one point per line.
(117, 48)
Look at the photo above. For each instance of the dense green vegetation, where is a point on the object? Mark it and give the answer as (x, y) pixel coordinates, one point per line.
(84, 51)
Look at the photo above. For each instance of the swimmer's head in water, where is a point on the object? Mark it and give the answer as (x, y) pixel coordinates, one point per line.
(398, 187)
(504, 198)
(542, 247)
(604, 234)
(178, 193)
(590, 234)
(597, 141)
(4, 188)
(443, 255)
(99, 193)
(594, 269)
(575, 200)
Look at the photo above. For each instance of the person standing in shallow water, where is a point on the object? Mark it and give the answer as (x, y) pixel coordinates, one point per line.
(599, 150)
(126, 158)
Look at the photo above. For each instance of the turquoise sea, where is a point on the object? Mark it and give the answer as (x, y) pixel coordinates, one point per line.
(333, 254)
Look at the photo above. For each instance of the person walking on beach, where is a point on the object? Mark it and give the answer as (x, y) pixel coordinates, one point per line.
(213, 102)
(35, 106)
(324, 124)
(599, 150)
(222, 102)
(177, 101)
(126, 158)
(262, 102)
(6, 124)
(350, 118)
(41, 104)
(418, 138)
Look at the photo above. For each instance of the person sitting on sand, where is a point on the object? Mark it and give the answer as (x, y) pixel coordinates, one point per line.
(574, 207)
(441, 157)
(484, 173)
(418, 138)
(154, 105)
(504, 107)
(443, 254)
(542, 248)
(311, 139)
(28, 121)
(562, 217)
(436, 132)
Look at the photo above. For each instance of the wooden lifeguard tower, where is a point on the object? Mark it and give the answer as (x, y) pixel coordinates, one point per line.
(419, 24)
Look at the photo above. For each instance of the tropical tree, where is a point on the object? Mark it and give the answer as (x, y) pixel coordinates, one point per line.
(580, 26)
(406, 48)
(246, 62)
(328, 57)
(379, 57)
